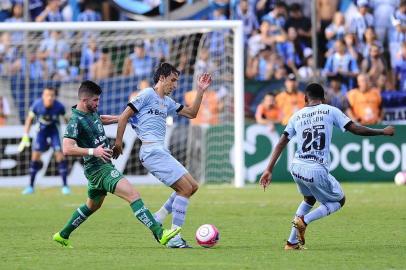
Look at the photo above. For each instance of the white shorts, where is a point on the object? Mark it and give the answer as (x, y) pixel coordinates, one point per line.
(161, 164)
(316, 182)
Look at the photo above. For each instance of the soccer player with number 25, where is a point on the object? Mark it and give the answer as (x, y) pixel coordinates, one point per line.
(312, 128)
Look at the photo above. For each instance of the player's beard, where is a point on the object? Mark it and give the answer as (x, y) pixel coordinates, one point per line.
(90, 108)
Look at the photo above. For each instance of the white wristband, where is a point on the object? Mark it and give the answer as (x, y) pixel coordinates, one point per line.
(90, 151)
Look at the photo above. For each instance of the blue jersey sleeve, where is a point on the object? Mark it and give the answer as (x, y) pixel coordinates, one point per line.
(173, 107)
(141, 100)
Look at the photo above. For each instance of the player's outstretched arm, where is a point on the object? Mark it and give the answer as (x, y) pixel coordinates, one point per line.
(203, 82)
(366, 131)
(109, 119)
(70, 148)
(122, 124)
(25, 140)
(266, 177)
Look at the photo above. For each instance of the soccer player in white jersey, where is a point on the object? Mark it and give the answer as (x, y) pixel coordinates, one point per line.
(149, 110)
(312, 128)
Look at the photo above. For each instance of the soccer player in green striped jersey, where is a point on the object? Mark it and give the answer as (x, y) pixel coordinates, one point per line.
(85, 136)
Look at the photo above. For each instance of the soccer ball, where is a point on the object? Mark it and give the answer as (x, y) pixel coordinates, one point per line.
(207, 235)
(400, 178)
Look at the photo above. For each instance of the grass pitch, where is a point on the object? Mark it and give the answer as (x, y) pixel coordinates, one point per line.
(368, 233)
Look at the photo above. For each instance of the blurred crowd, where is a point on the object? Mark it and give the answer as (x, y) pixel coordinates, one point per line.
(361, 50)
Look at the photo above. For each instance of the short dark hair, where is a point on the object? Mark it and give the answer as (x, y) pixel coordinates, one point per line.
(89, 88)
(50, 87)
(164, 69)
(314, 91)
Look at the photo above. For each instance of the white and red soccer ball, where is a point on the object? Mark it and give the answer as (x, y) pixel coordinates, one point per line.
(207, 235)
(400, 178)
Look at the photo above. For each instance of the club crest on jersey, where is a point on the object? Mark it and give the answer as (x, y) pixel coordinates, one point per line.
(114, 173)
(100, 127)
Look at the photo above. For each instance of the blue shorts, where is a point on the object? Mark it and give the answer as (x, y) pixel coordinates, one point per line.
(316, 182)
(161, 164)
(47, 138)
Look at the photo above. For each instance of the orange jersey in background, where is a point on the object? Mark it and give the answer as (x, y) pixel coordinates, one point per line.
(209, 109)
(366, 106)
(273, 114)
(289, 104)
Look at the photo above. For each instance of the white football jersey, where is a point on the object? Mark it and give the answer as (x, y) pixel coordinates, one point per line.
(149, 121)
(313, 127)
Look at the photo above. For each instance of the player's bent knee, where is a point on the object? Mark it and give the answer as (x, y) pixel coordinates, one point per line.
(342, 201)
(310, 200)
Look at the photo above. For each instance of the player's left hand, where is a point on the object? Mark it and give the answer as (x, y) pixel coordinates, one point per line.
(203, 82)
(25, 142)
(117, 151)
(265, 179)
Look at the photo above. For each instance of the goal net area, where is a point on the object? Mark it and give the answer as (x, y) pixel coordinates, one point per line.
(121, 57)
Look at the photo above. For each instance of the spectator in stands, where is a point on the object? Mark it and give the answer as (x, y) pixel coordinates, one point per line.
(210, 108)
(51, 12)
(276, 17)
(335, 30)
(64, 71)
(52, 49)
(370, 39)
(305, 72)
(267, 112)
(400, 69)
(5, 6)
(281, 72)
(362, 20)
(139, 63)
(89, 13)
(326, 10)
(204, 63)
(8, 53)
(261, 66)
(38, 69)
(292, 50)
(262, 7)
(383, 11)
(245, 13)
(36, 7)
(373, 64)
(383, 84)
(341, 63)
(4, 110)
(301, 24)
(335, 96)
(269, 36)
(365, 102)
(254, 44)
(398, 33)
(290, 100)
(89, 56)
(103, 68)
(17, 16)
(352, 45)
(159, 49)
(183, 64)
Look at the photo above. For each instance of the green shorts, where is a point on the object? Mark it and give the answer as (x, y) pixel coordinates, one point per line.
(102, 181)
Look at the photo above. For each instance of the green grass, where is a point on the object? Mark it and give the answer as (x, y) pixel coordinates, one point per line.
(368, 233)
